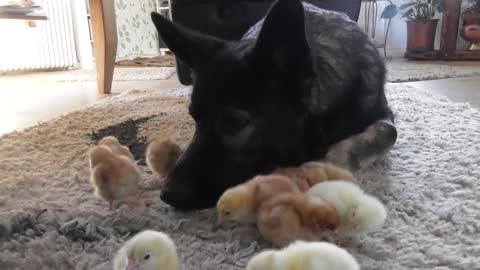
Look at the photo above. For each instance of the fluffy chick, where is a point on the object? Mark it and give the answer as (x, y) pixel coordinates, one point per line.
(114, 177)
(147, 250)
(240, 203)
(312, 173)
(114, 145)
(161, 155)
(358, 211)
(302, 255)
(328, 171)
(296, 216)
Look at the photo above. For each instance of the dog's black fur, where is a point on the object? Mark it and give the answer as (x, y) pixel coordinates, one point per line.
(278, 99)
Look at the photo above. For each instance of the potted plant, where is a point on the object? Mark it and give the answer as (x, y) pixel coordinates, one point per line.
(471, 24)
(471, 14)
(421, 25)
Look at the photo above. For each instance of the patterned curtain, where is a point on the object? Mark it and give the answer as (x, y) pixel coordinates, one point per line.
(136, 34)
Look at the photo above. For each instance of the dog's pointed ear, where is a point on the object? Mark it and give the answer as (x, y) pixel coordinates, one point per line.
(282, 42)
(191, 47)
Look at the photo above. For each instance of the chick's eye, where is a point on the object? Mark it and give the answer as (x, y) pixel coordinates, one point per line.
(146, 257)
(227, 213)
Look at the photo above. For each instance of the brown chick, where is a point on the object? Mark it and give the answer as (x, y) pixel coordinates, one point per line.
(296, 216)
(161, 155)
(114, 145)
(312, 173)
(114, 177)
(332, 172)
(241, 202)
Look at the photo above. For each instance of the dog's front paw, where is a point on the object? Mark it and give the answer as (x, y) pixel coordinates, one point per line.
(340, 154)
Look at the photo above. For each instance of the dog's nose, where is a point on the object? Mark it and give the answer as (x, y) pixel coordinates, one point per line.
(186, 197)
(178, 197)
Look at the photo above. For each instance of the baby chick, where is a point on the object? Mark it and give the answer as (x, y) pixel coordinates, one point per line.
(240, 203)
(358, 211)
(328, 170)
(116, 147)
(296, 216)
(161, 155)
(312, 173)
(147, 250)
(114, 177)
(302, 255)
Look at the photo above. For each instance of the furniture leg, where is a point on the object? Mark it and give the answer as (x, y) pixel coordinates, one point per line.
(451, 17)
(104, 30)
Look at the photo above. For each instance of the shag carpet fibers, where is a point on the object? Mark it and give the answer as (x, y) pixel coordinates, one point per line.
(50, 218)
(403, 71)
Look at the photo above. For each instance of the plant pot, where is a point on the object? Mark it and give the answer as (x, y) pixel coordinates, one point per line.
(471, 30)
(421, 35)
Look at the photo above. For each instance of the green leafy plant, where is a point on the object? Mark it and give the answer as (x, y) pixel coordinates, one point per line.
(389, 11)
(414, 9)
(473, 6)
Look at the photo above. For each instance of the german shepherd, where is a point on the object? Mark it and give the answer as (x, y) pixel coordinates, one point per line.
(303, 84)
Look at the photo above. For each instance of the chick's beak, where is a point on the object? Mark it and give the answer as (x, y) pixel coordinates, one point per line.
(132, 264)
(219, 221)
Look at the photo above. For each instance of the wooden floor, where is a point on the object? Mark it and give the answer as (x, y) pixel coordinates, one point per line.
(26, 100)
(457, 89)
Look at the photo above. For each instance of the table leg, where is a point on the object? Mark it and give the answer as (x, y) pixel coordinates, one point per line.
(104, 30)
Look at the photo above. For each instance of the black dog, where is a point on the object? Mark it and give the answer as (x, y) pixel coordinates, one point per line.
(304, 84)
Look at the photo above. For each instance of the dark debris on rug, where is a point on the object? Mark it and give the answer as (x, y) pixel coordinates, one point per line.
(127, 134)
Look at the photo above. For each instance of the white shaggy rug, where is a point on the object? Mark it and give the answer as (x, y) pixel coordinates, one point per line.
(119, 74)
(50, 218)
(405, 71)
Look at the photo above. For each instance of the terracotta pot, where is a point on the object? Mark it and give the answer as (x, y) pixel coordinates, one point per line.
(471, 18)
(421, 35)
(471, 33)
(471, 30)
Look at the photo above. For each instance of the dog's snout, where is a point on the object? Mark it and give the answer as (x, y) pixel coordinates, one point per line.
(185, 195)
(178, 196)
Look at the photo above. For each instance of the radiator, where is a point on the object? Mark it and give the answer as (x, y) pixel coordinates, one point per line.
(48, 45)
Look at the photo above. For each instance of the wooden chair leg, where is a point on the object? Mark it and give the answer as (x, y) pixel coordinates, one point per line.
(104, 30)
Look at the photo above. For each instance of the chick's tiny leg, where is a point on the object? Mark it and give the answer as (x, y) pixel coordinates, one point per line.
(337, 240)
(110, 206)
(361, 150)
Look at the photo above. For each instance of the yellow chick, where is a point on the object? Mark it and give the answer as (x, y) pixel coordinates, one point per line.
(296, 216)
(312, 173)
(161, 155)
(114, 177)
(147, 250)
(302, 255)
(116, 147)
(358, 211)
(240, 203)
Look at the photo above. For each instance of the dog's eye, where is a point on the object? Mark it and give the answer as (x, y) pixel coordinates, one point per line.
(233, 121)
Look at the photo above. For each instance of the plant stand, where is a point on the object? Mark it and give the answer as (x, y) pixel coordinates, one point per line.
(371, 15)
(448, 40)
